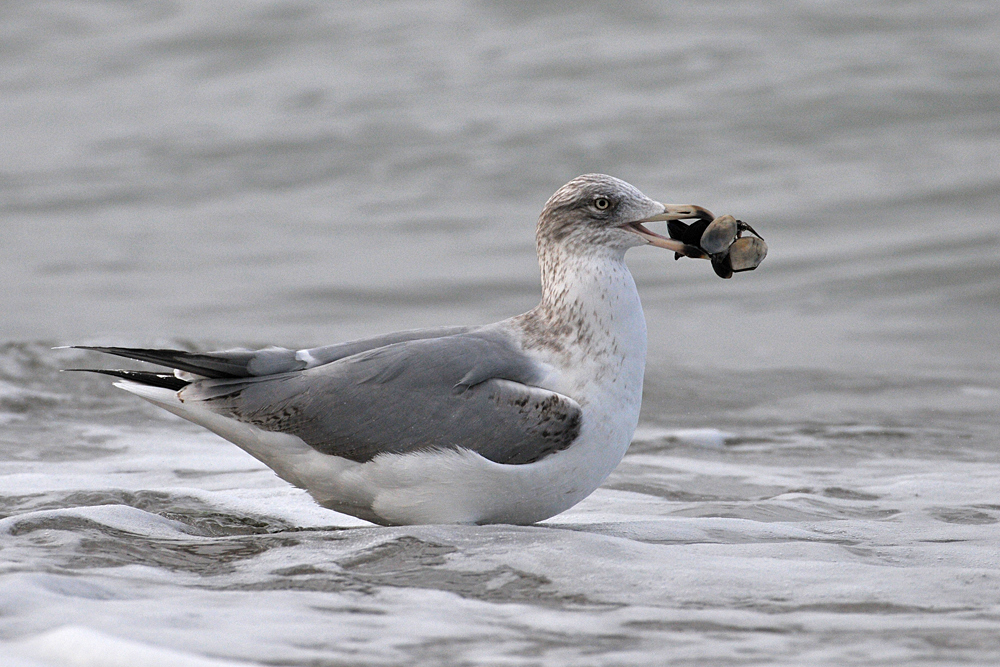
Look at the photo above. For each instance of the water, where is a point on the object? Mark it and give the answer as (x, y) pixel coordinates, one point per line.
(814, 477)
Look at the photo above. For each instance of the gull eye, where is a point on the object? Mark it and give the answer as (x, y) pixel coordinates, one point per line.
(602, 204)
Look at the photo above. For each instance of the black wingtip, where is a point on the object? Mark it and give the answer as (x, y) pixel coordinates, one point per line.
(205, 365)
(165, 380)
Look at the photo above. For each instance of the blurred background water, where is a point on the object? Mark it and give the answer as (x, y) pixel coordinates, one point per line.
(814, 478)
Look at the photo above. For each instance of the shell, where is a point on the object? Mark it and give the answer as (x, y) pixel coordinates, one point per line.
(722, 267)
(746, 253)
(719, 235)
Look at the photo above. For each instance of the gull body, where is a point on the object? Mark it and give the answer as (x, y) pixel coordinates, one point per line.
(511, 422)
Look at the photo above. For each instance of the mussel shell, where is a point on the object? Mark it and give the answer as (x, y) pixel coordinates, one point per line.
(719, 235)
(722, 267)
(688, 234)
(746, 253)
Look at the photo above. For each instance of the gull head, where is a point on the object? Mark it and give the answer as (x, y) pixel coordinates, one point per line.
(595, 211)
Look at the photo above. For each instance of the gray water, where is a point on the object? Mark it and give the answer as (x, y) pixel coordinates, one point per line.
(814, 480)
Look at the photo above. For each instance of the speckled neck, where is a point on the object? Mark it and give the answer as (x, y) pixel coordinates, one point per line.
(589, 306)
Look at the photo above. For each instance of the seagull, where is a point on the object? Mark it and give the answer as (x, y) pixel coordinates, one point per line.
(511, 422)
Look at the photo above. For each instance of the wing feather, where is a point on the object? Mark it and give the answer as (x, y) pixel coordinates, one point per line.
(470, 390)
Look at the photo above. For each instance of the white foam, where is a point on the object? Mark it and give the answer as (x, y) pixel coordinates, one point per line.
(120, 517)
(77, 646)
(766, 548)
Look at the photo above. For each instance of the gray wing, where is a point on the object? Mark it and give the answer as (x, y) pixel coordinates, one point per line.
(242, 363)
(470, 390)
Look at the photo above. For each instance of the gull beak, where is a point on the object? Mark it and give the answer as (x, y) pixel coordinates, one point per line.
(671, 212)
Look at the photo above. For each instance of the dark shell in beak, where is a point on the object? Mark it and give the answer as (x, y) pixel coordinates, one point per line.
(723, 243)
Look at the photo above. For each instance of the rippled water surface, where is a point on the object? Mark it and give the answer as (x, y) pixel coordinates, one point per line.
(814, 480)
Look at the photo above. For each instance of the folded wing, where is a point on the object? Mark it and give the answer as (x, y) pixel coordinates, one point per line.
(464, 389)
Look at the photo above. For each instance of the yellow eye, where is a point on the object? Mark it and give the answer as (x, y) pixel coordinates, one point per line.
(602, 203)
